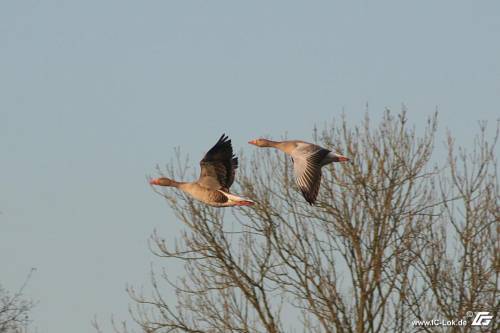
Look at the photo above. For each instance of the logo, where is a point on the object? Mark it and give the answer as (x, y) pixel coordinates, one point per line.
(482, 319)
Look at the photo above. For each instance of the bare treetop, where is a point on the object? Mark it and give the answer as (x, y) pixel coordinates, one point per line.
(393, 240)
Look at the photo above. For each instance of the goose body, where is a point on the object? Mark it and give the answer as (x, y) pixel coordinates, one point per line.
(218, 168)
(308, 159)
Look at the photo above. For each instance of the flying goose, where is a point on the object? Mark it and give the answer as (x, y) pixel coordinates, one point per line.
(308, 159)
(218, 168)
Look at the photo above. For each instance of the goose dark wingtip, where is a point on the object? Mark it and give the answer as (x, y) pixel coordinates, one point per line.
(222, 138)
(308, 197)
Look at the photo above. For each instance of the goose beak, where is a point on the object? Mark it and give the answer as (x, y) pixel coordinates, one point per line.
(343, 158)
(253, 142)
(153, 182)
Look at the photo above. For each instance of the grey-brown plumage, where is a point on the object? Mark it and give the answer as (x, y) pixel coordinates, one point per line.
(307, 169)
(308, 159)
(218, 169)
(219, 165)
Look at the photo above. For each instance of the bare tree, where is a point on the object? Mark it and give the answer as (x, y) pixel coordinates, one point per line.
(393, 238)
(15, 309)
(459, 261)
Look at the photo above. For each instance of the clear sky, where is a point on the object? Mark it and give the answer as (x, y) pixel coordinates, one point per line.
(94, 94)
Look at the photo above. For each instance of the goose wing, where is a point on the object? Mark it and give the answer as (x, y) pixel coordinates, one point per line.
(218, 166)
(307, 162)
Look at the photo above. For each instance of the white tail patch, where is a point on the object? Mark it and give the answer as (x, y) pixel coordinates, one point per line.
(236, 198)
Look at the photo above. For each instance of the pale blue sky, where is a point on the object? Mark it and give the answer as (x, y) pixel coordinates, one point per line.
(93, 94)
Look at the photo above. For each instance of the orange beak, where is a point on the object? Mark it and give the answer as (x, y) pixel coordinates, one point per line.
(343, 158)
(253, 142)
(154, 181)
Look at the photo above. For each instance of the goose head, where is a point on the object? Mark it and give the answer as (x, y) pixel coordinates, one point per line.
(163, 181)
(262, 143)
